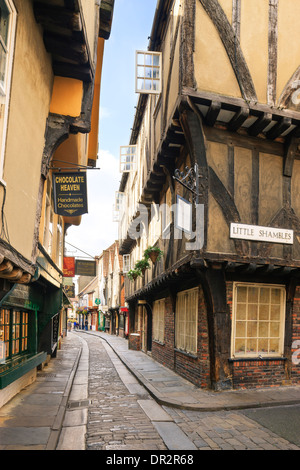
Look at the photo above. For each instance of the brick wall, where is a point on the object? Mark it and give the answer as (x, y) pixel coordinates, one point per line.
(134, 342)
(295, 352)
(257, 374)
(194, 369)
(164, 353)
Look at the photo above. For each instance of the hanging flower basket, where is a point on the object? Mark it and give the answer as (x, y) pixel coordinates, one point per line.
(142, 265)
(154, 253)
(133, 274)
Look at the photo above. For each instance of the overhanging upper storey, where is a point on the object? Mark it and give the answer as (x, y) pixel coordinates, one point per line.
(69, 31)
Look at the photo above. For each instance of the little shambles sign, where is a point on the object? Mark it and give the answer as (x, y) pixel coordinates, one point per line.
(70, 194)
(262, 234)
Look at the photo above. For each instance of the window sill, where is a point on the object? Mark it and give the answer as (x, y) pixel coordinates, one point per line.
(267, 358)
(158, 342)
(17, 368)
(193, 356)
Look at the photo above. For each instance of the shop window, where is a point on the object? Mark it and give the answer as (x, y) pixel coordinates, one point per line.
(159, 320)
(7, 33)
(148, 72)
(258, 320)
(187, 321)
(13, 334)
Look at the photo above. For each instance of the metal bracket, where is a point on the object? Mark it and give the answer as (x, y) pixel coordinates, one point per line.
(79, 167)
(189, 179)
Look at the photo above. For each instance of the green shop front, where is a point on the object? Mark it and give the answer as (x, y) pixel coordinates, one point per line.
(30, 327)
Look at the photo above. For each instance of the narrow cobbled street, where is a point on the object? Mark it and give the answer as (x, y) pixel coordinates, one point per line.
(115, 417)
(117, 420)
(98, 395)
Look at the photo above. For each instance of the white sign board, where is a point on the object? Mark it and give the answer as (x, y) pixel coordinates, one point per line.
(183, 216)
(261, 234)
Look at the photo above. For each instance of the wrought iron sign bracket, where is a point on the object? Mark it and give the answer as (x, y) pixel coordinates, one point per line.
(75, 166)
(190, 180)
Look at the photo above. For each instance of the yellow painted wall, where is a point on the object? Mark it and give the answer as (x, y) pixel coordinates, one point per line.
(29, 107)
(88, 10)
(93, 137)
(288, 41)
(67, 96)
(254, 43)
(213, 71)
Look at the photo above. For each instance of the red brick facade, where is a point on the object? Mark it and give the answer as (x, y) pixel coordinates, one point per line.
(246, 373)
(195, 369)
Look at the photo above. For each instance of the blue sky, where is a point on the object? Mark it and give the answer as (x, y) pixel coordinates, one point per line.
(131, 28)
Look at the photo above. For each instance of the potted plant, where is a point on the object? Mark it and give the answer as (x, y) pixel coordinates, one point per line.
(133, 274)
(142, 265)
(154, 253)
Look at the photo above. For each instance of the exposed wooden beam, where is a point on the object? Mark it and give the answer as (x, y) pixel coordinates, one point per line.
(279, 128)
(260, 124)
(213, 113)
(238, 120)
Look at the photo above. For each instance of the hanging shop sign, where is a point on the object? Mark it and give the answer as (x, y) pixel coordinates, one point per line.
(70, 291)
(70, 194)
(85, 268)
(69, 266)
(262, 234)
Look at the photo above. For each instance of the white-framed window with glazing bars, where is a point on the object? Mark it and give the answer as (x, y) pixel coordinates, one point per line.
(128, 158)
(258, 320)
(148, 72)
(186, 321)
(8, 17)
(159, 320)
(118, 207)
(126, 263)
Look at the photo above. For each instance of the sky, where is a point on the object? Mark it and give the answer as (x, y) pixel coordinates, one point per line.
(131, 28)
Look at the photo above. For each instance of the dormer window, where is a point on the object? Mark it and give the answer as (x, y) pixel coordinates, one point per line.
(148, 72)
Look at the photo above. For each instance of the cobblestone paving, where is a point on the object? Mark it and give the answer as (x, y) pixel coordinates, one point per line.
(115, 419)
(227, 431)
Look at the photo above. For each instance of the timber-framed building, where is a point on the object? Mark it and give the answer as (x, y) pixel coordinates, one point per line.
(225, 314)
(50, 69)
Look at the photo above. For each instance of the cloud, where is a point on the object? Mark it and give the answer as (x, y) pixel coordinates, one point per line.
(104, 112)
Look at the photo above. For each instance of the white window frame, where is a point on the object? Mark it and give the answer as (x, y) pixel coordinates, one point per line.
(5, 92)
(247, 316)
(141, 64)
(126, 263)
(128, 152)
(158, 313)
(186, 328)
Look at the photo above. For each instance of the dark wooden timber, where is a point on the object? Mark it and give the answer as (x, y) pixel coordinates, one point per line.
(273, 51)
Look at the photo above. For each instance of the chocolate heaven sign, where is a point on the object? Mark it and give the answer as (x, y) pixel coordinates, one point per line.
(70, 194)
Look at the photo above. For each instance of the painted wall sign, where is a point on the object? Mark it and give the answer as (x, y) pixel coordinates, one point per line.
(85, 268)
(70, 194)
(262, 234)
